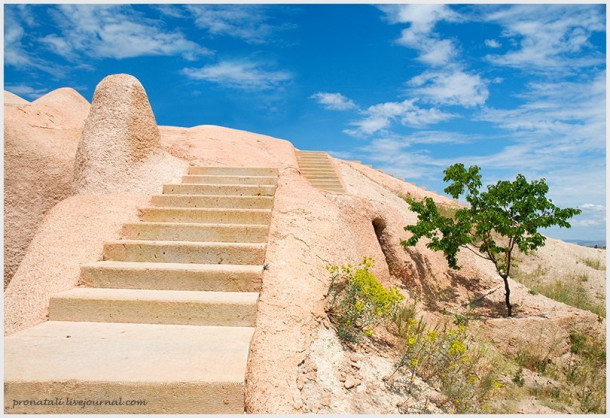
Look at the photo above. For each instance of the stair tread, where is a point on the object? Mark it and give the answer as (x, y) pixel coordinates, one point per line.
(200, 225)
(247, 186)
(191, 296)
(127, 352)
(189, 209)
(143, 265)
(216, 196)
(188, 243)
(222, 176)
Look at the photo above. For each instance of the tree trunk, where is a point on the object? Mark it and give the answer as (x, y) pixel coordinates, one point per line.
(507, 293)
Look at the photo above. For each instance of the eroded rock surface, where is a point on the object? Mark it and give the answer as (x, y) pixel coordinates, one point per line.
(120, 149)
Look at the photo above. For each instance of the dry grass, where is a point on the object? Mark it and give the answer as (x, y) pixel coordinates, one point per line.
(595, 264)
(569, 290)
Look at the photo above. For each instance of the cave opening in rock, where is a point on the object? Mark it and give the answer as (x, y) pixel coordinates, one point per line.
(379, 226)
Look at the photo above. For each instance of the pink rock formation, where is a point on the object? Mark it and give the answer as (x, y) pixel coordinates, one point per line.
(309, 229)
(13, 99)
(40, 140)
(120, 149)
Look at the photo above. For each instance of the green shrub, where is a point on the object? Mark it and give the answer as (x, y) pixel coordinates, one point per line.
(445, 357)
(358, 302)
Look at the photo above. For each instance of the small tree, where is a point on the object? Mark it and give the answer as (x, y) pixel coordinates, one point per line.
(505, 217)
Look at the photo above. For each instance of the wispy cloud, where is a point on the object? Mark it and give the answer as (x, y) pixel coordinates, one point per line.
(16, 52)
(492, 43)
(379, 117)
(448, 83)
(115, 31)
(419, 35)
(245, 21)
(26, 92)
(243, 75)
(334, 101)
(450, 86)
(395, 156)
(548, 38)
(570, 117)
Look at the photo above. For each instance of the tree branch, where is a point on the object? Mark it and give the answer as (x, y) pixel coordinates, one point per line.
(477, 253)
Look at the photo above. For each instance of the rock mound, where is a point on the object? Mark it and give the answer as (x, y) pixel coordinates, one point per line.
(40, 140)
(120, 149)
(13, 99)
(66, 102)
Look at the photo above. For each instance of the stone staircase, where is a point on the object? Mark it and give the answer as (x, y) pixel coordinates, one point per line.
(165, 321)
(317, 168)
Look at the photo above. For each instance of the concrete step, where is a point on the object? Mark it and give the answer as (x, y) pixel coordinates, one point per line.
(213, 201)
(327, 168)
(176, 307)
(220, 189)
(316, 167)
(324, 177)
(173, 276)
(198, 232)
(185, 252)
(221, 179)
(325, 181)
(234, 171)
(329, 172)
(327, 186)
(175, 369)
(200, 215)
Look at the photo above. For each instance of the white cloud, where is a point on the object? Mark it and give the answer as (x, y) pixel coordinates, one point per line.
(450, 87)
(393, 155)
(334, 101)
(564, 119)
(592, 215)
(422, 17)
(242, 75)
(419, 35)
(437, 137)
(114, 31)
(246, 21)
(549, 37)
(17, 42)
(380, 116)
(171, 10)
(15, 51)
(26, 92)
(593, 207)
(492, 43)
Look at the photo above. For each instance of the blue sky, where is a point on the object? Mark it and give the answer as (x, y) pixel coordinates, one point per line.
(410, 89)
